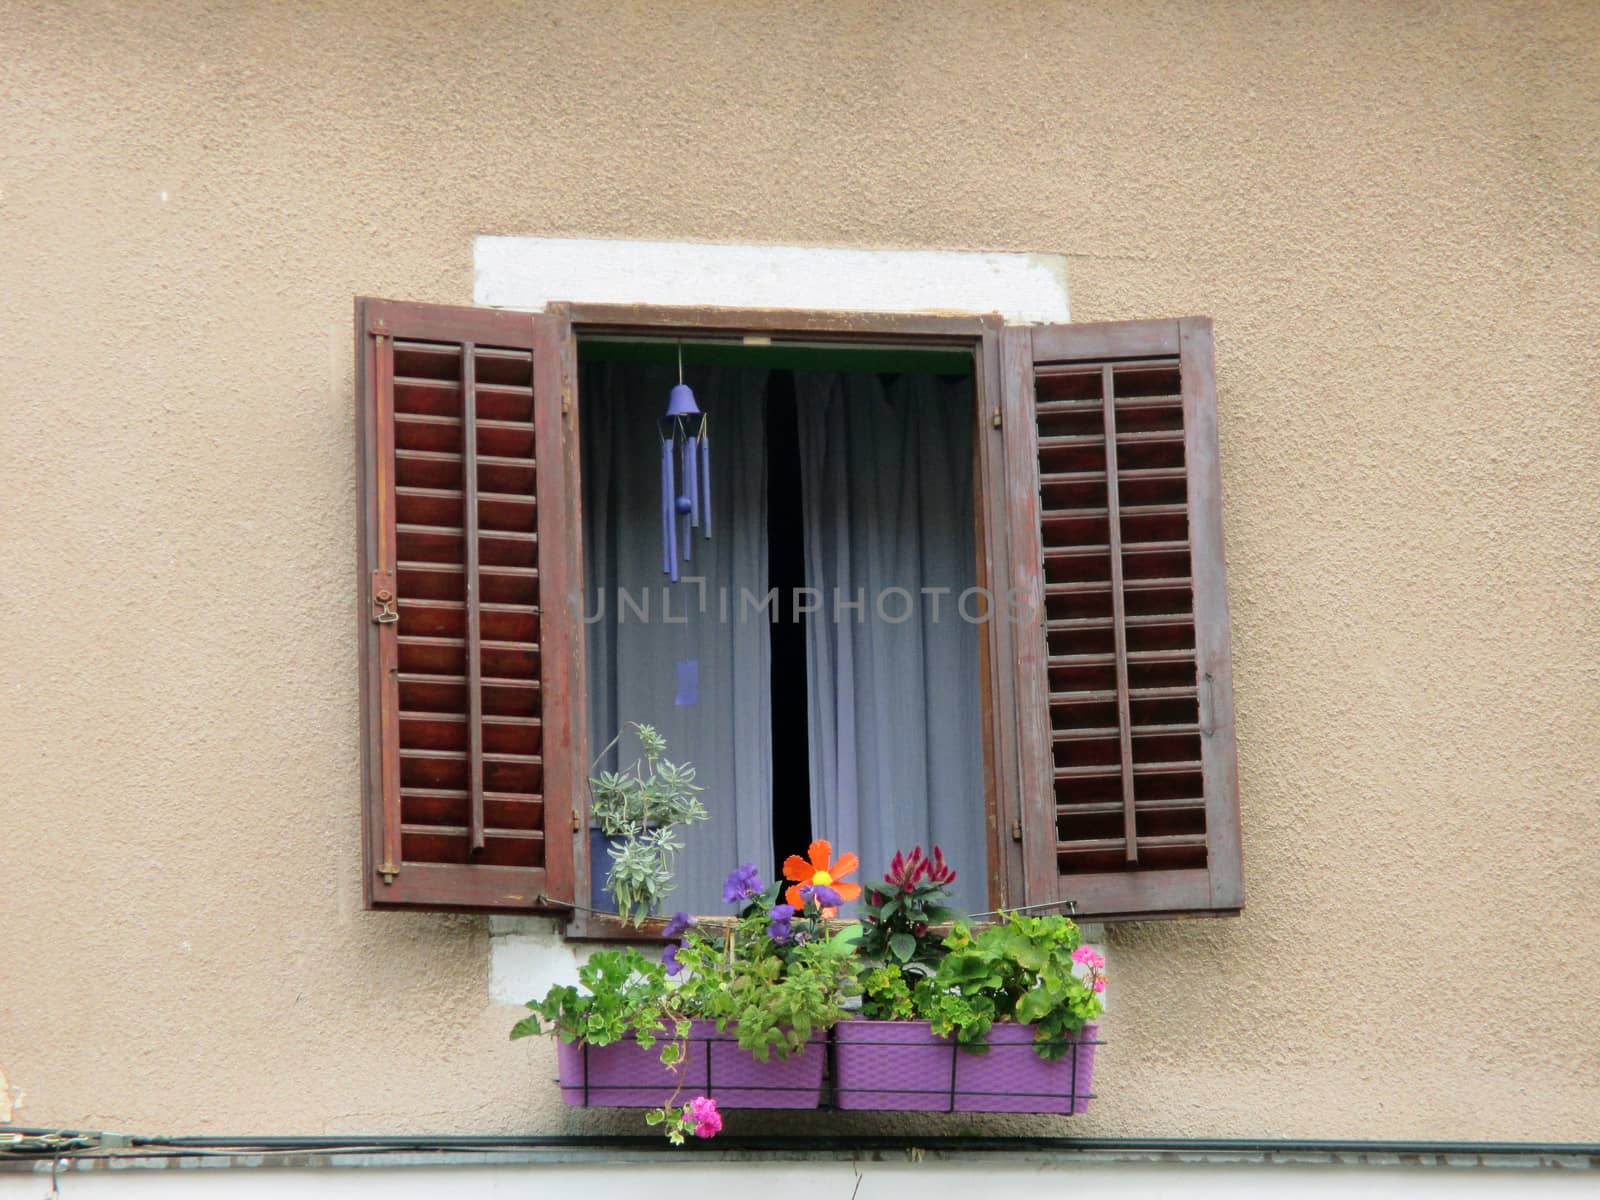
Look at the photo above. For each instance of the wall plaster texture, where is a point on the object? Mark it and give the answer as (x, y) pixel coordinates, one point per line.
(1392, 211)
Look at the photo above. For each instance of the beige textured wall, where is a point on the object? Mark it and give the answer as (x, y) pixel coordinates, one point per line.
(1392, 212)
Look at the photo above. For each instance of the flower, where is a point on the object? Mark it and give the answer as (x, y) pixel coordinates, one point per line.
(780, 916)
(938, 870)
(1086, 956)
(679, 923)
(741, 884)
(670, 957)
(826, 898)
(906, 870)
(702, 1110)
(820, 872)
(1099, 983)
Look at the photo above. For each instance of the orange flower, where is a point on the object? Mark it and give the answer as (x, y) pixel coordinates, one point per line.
(820, 873)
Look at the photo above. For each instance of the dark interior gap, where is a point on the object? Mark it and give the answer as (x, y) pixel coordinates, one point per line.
(786, 571)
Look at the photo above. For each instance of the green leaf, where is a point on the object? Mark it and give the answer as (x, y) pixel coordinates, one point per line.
(527, 1027)
(903, 945)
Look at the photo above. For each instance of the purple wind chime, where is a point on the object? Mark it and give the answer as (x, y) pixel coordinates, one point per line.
(685, 477)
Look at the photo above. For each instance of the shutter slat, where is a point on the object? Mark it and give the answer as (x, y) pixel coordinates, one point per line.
(459, 775)
(1137, 790)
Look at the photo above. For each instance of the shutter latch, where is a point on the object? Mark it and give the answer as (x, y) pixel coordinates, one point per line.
(1016, 830)
(383, 598)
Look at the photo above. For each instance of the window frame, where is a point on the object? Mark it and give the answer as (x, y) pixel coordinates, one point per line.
(1022, 810)
(564, 323)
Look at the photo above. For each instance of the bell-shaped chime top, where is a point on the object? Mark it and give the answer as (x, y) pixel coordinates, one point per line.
(681, 403)
(685, 478)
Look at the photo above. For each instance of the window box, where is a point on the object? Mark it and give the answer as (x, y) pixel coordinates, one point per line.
(625, 1075)
(904, 1066)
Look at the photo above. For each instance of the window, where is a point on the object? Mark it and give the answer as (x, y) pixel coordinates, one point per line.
(1101, 727)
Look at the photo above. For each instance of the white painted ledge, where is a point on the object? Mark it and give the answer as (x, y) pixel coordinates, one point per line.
(531, 272)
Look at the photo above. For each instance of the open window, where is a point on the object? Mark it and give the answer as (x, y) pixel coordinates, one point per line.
(873, 646)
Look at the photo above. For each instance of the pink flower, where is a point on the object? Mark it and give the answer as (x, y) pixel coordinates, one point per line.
(1099, 983)
(1083, 954)
(938, 870)
(707, 1120)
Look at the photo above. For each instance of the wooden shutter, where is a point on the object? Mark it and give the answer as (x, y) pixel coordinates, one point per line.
(463, 670)
(1130, 793)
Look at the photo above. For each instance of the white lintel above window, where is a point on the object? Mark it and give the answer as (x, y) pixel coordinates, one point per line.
(531, 272)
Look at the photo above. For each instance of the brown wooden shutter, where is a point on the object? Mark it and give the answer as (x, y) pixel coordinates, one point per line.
(1130, 792)
(466, 780)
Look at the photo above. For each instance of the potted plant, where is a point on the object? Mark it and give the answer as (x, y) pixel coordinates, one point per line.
(734, 1013)
(637, 812)
(994, 1021)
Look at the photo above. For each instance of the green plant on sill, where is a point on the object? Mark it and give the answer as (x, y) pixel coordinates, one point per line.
(774, 991)
(1021, 969)
(625, 993)
(897, 935)
(640, 809)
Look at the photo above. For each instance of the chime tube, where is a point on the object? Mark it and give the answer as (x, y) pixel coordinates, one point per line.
(691, 482)
(669, 511)
(705, 485)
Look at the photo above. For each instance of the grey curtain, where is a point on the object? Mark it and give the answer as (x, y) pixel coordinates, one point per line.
(698, 672)
(896, 749)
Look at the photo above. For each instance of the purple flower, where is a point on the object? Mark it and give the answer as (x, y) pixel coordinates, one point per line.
(675, 927)
(741, 884)
(670, 957)
(779, 930)
(823, 895)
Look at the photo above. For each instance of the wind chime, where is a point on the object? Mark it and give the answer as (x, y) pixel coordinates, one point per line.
(685, 465)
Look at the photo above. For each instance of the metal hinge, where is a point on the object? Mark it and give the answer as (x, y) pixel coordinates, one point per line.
(996, 417)
(383, 598)
(388, 871)
(1016, 830)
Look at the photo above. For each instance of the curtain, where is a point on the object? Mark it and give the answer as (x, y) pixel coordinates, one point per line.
(695, 669)
(893, 687)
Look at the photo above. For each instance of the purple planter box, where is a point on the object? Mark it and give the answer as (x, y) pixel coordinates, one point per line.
(624, 1075)
(902, 1065)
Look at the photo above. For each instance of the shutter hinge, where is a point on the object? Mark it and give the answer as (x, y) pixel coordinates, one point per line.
(996, 417)
(1016, 830)
(566, 398)
(388, 871)
(577, 821)
(383, 598)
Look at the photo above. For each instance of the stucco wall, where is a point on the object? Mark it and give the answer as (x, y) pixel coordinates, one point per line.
(1392, 213)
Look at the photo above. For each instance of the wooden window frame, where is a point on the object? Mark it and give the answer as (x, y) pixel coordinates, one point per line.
(980, 335)
(1020, 770)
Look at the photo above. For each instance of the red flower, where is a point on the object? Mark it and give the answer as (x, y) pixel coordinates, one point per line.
(905, 871)
(938, 870)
